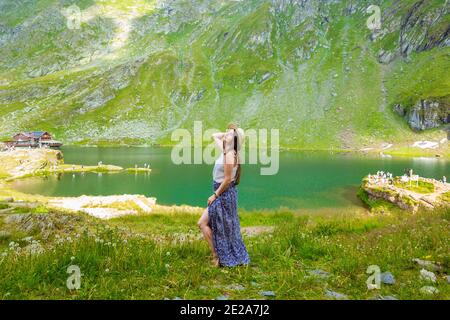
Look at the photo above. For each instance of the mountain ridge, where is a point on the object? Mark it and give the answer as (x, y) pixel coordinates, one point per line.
(136, 70)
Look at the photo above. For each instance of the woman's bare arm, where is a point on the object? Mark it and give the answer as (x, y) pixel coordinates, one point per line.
(218, 138)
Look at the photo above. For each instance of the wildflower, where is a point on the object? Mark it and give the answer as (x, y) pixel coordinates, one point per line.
(106, 270)
(3, 256)
(168, 253)
(35, 248)
(14, 246)
(167, 265)
(72, 258)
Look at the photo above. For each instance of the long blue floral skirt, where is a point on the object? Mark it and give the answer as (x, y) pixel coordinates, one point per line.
(226, 229)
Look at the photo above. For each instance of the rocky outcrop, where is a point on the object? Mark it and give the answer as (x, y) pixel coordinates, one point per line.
(399, 199)
(386, 57)
(44, 224)
(425, 114)
(106, 207)
(421, 27)
(405, 199)
(420, 31)
(21, 162)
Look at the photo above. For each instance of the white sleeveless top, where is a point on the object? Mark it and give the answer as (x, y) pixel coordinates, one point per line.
(218, 171)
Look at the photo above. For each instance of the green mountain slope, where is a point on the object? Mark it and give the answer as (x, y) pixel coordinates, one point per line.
(137, 69)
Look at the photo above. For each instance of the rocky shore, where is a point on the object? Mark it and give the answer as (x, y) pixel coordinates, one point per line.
(426, 193)
(22, 163)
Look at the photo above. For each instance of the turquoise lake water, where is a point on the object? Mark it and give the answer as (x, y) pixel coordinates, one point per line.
(309, 180)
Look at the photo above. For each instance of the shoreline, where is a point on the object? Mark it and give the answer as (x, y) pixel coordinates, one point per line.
(401, 151)
(102, 207)
(25, 163)
(116, 204)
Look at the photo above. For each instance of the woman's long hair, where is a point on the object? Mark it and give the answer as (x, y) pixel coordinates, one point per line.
(237, 145)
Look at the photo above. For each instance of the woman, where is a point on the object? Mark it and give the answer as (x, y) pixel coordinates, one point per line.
(219, 223)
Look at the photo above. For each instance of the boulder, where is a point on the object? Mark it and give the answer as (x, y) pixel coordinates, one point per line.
(235, 287)
(380, 297)
(429, 290)
(428, 265)
(267, 293)
(427, 275)
(335, 295)
(320, 274)
(387, 278)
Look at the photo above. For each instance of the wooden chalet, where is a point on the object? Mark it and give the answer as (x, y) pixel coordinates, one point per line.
(33, 139)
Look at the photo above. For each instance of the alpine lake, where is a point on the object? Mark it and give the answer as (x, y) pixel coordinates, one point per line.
(305, 180)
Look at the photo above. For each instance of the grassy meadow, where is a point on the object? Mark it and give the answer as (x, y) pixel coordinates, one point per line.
(162, 255)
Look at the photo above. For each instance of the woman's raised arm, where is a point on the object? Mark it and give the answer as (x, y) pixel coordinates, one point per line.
(218, 138)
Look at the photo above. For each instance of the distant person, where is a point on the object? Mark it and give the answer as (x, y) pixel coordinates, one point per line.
(219, 223)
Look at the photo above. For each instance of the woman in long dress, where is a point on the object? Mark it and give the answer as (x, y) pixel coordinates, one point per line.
(219, 223)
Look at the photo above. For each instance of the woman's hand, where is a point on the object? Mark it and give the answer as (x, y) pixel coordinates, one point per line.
(211, 199)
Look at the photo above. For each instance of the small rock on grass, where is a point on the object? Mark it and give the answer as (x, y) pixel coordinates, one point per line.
(235, 287)
(177, 298)
(387, 278)
(317, 273)
(429, 265)
(380, 297)
(429, 290)
(224, 297)
(267, 293)
(427, 275)
(335, 295)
